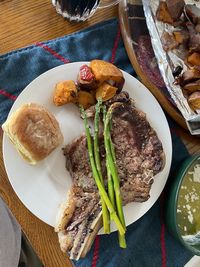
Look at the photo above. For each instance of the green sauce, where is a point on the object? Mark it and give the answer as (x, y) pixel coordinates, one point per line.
(188, 206)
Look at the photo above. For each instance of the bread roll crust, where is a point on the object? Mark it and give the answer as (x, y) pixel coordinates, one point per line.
(34, 131)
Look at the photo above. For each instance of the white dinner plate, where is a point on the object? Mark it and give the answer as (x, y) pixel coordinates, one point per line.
(43, 187)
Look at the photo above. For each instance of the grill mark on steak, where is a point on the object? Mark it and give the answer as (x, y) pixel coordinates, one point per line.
(77, 162)
(139, 152)
(87, 208)
(133, 121)
(139, 157)
(85, 230)
(85, 203)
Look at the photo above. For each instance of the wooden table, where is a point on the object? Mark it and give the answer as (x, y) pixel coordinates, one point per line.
(23, 23)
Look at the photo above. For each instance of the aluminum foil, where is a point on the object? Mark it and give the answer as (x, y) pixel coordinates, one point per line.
(167, 61)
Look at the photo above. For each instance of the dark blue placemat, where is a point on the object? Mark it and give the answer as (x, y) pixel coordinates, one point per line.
(148, 241)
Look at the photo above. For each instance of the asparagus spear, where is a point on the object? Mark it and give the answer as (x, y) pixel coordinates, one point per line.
(122, 240)
(110, 153)
(111, 193)
(100, 187)
(105, 213)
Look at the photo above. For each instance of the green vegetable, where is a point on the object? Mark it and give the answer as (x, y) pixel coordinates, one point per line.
(100, 187)
(105, 213)
(111, 159)
(110, 182)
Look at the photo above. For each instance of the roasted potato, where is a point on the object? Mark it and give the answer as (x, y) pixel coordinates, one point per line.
(192, 87)
(86, 80)
(65, 92)
(194, 100)
(162, 13)
(194, 59)
(189, 76)
(175, 8)
(85, 99)
(168, 41)
(105, 71)
(181, 37)
(105, 91)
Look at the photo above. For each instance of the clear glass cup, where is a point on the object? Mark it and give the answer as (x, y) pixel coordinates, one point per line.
(80, 10)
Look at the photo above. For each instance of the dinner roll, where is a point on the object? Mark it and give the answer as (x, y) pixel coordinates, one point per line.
(34, 131)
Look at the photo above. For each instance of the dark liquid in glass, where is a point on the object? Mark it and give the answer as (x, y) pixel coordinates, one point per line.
(76, 10)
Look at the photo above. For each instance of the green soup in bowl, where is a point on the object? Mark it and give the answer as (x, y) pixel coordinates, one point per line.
(183, 205)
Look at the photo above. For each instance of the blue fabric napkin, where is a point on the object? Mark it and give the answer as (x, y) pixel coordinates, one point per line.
(148, 240)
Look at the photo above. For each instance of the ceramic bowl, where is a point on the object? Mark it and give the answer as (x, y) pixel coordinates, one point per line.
(182, 211)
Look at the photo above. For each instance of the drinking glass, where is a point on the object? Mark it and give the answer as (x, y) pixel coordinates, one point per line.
(80, 10)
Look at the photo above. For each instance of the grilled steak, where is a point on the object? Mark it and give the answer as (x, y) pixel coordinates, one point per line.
(139, 152)
(139, 156)
(81, 219)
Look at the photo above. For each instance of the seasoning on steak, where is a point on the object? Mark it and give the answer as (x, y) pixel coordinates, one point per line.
(139, 157)
(77, 219)
(139, 152)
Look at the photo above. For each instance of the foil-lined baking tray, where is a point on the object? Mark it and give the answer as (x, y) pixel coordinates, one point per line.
(167, 61)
